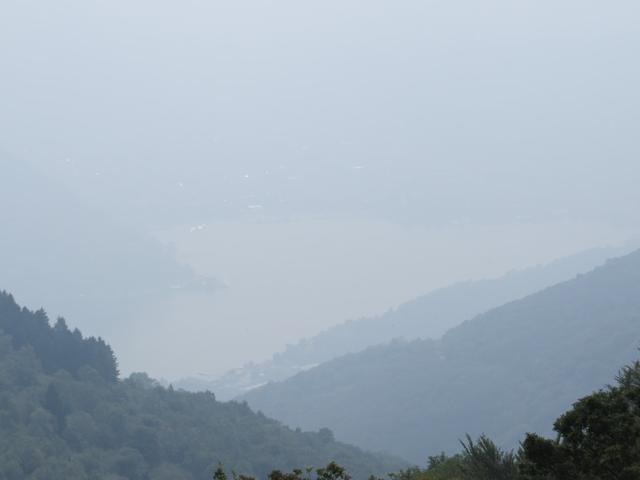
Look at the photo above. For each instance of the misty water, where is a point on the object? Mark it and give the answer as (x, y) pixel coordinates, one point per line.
(288, 280)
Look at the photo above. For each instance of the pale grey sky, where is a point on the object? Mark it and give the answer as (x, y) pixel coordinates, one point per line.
(164, 115)
(451, 107)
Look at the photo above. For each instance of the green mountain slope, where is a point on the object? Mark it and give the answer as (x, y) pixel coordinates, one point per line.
(65, 415)
(511, 370)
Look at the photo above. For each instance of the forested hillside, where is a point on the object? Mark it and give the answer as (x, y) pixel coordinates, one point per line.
(506, 372)
(595, 440)
(428, 316)
(57, 348)
(65, 415)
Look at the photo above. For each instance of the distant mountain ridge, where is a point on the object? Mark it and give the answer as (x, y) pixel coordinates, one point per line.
(428, 316)
(508, 371)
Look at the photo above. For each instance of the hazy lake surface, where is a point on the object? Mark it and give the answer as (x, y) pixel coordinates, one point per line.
(288, 280)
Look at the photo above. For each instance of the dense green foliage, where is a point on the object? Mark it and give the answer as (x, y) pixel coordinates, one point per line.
(61, 420)
(479, 460)
(509, 371)
(599, 438)
(57, 347)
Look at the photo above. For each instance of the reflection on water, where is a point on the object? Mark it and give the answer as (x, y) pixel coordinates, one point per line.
(286, 281)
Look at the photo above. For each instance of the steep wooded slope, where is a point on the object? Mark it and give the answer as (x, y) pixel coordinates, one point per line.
(508, 371)
(64, 416)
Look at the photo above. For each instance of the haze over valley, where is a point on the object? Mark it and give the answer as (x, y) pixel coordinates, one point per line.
(245, 239)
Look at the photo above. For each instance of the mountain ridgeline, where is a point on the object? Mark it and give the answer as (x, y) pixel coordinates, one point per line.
(506, 372)
(64, 414)
(428, 316)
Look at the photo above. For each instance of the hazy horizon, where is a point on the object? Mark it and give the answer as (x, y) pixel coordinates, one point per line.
(326, 161)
